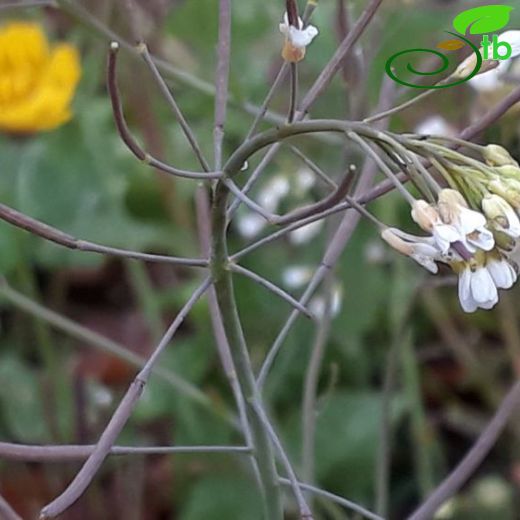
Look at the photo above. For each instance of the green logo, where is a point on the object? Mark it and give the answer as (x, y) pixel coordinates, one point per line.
(479, 20)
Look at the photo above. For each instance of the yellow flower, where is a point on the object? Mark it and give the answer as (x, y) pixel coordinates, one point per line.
(37, 82)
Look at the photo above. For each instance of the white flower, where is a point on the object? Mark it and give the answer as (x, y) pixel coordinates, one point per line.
(298, 36)
(296, 276)
(493, 79)
(435, 125)
(478, 285)
(469, 224)
(305, 233)
(318, 304)
(305, 180)
(273, 192)
(501, 213)
(477, 289)
(250, 225)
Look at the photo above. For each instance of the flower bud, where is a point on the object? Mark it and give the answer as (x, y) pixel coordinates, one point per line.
(390, 237)
(449, 204)
(425, 215)
(469, 64)
(501, 215)
(509, 171)
(503, 241)
(508, 189)
(496, 155)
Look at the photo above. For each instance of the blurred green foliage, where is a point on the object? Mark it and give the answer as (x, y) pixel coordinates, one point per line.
(81, 179)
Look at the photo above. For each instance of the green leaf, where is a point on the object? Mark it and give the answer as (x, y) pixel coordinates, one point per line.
(484, 19)
(20, 402)
(216, 498)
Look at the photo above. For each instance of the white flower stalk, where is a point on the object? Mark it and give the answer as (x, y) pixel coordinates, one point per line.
(296, 39)
(501, 214)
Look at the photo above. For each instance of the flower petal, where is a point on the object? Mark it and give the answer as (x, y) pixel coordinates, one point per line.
(483, 289)
(481, 238)
(467, 302)
(502, 272)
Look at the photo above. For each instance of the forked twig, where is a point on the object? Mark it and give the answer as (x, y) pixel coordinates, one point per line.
(273, 288)
(127, 136)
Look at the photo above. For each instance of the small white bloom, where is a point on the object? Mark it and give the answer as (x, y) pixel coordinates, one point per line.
(470, 224)
(502, 214)
(250, 225)
(502, 273)
(298, 36)
(493, 79)
(305, 180)
(273, 192)
(477, 289)
(318, 304)
(435, 125)
(295, 276)
(305, 233)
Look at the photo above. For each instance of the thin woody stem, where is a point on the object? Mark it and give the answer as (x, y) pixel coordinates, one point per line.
(273, 288)
(487, 439)
(46, 453)
(52, 234)
(305, 512)
(127, 136)
(385, 169)
(6, 511)
(168, 96)
(313, 166)
(222, 78)
(335, 63)
(223, 283)
(318, 207)
(104, 344)
(119, 418)
(399, 108)
(293, 92)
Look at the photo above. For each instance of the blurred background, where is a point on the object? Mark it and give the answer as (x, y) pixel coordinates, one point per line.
(59, 383)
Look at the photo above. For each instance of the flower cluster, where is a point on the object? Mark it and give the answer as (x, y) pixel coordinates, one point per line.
(472, 226)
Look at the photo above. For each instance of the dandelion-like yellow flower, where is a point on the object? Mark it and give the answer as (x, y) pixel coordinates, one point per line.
(37, 81)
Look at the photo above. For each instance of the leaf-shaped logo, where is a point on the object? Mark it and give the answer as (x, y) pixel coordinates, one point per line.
(482, 20)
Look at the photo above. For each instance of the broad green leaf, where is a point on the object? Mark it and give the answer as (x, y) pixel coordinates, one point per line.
(223, 497)
(20, 402)
(484, 19)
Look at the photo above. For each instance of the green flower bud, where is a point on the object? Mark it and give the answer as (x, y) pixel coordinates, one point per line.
(503, 241)
(508, 189)
(496, 155)
(509, 171)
